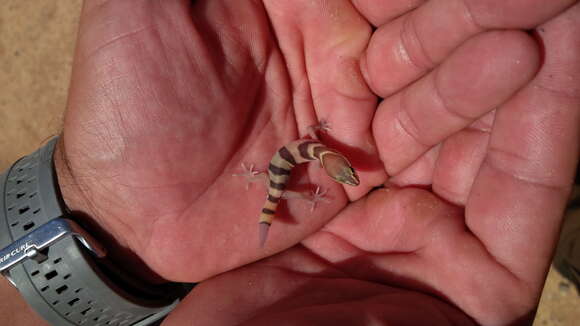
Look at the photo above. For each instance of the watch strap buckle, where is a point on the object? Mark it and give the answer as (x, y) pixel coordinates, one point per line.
(31, 245)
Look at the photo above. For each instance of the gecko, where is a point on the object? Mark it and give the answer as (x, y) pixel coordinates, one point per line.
(305, 150)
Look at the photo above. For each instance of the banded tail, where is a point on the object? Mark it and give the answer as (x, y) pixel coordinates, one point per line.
(298, 152)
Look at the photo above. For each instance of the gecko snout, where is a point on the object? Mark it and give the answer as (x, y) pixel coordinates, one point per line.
(338, 168)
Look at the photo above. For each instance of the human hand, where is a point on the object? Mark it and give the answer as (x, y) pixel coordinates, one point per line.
(168, 98)
(493, 139)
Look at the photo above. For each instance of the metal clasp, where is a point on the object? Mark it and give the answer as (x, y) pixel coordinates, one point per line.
(31, 245)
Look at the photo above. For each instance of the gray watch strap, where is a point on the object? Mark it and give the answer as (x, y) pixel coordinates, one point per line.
(66, 282)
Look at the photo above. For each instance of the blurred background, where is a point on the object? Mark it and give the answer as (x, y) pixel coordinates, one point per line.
(37, 40)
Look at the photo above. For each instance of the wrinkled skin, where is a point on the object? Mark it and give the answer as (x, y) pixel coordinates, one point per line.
(478, 129)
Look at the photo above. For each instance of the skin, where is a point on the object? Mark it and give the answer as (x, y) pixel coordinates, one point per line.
(478, 129)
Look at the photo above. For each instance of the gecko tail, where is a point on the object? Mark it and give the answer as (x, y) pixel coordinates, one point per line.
(264, 227)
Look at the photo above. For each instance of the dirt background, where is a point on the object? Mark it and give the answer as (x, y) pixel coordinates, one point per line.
(37, 41)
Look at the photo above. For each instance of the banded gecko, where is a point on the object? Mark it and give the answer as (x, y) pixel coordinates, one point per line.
(296, 152)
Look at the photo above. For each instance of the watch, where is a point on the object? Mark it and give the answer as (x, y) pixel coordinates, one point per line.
(58, 267)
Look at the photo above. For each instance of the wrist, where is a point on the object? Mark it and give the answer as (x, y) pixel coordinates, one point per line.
(57, 266)
(79, 198)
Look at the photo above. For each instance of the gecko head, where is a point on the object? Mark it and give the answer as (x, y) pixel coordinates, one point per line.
(338, 168)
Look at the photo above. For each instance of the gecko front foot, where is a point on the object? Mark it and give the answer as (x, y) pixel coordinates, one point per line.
(322, 126)
(250, 174)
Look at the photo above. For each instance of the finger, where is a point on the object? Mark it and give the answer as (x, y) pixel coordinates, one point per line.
(459, 161)
(402, 51)
(322, 42)
(411, 238)
(482, 74)
(387, 220)
(450, 168)
(516, 204)
(420, 172)
(381, 12)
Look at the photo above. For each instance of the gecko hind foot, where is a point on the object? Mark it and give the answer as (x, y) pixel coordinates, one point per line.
(314, 197)
(317, 196)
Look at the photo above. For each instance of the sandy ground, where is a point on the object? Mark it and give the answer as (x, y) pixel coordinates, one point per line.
(36, 48)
